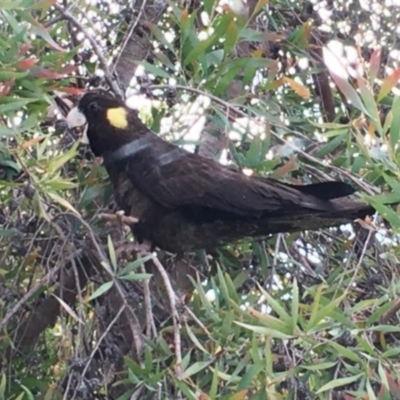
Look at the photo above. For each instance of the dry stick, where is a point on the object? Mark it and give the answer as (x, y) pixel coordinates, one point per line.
(390, 313)
(130, 31)
(172, 301)
(358, 266)
(132, 318)
(150, 324)
(121, 219)
(368, 188)
(118, 218)
(102, 337)
(107, 74)
(48, 278)
(198, 322)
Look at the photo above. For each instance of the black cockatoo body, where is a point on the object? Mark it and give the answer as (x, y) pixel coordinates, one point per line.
(186, 202)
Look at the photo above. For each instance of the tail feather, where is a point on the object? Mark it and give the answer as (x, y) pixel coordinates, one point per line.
(326, 190)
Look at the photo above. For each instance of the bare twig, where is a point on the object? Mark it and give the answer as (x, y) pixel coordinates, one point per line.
(390, 313)
(118, 218)
(102, 337)
(198, 322)
(130, 31)
(24, 299)
(96, 48)
(131, 316)
(150, 324)
(175, 316)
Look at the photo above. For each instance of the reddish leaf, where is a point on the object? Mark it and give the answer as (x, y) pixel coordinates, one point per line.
(277, 83)
(32, 142)
(5, 87)
(394, 387)
(41, 31)
(68, 69)
(374, 65)
(389, 83)
(241, 395)
(24, 49)
(184, 15)
(298, 88)
(42, 4)
(26, 64)
(71, 90)
(289, 166)
(340, 76)
(40, 72)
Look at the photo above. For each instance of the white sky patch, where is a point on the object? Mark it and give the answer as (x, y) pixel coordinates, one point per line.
(170, 36)
(303, 63)
(333, 57)
(247, 171)
(114, 8)
(205, 18)
(224, 158)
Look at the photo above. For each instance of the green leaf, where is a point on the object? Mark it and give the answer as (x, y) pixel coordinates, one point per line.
(15, 105)
(295, 304)
(339, 382)
(200, 49)
(254, 155)
(111, 252)
(271, 322)
(184, 388)
(315, 307)
(60, 184)
(345, 352)
(395, 125)
(385, 328)
(9, 4)
(3, 386)
(231, 35)
(274, 304)
(324, 312)
(62, 202)
(320, 366)
(105, 287)
(247, 380)
(5, 131)
(197, 367)
(12, 75)
(209, 6)
(196, 341)
(153, 69)
(28, 393)
(381, 309)
(384, 211)
(8, 232)
(333, 144)
(40, 30)
(59, 161)
(370, 104)
(38, 207)
(223, 287)
(135, 264)
(265, 331)
(394, 352)
(134, 276)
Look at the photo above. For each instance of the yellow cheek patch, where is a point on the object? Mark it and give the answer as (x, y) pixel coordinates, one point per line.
(118, 117)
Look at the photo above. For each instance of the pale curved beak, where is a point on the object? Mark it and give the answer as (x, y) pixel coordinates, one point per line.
(75, 119)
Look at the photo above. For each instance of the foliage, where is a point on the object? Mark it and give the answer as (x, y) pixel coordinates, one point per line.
(307, 315)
